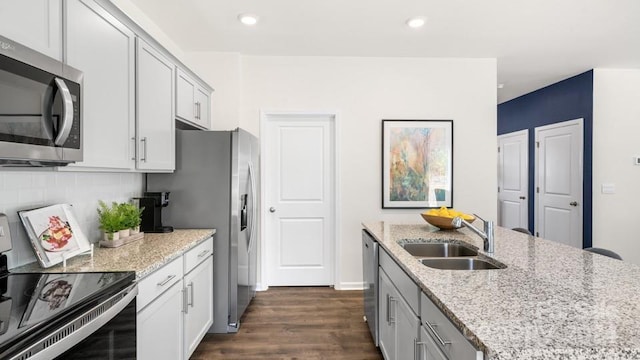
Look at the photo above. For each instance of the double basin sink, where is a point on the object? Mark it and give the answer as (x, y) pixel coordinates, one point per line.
(450, 256)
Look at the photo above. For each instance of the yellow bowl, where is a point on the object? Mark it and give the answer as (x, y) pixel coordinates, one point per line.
(441, 222)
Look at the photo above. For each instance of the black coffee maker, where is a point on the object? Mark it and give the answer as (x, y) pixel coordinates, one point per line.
(153, 202)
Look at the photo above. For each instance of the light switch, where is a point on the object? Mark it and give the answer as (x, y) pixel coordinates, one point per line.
(608, 188)
(636, 160)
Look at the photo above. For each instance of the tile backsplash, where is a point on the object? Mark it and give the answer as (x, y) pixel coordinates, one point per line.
(20, 190)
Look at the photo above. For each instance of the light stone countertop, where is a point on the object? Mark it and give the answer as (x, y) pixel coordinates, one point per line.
(142, 256)
(551, 302)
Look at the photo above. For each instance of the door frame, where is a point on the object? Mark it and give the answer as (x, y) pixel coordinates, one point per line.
(265, 117)
(524, 132)
(536, 173)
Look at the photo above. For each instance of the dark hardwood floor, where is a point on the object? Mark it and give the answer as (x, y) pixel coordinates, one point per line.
(296, 323)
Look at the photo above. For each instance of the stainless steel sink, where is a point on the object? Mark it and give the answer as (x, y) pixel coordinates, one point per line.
(439, 250)
(460, 264)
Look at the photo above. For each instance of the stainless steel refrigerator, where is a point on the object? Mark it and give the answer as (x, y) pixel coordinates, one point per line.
(215, 186)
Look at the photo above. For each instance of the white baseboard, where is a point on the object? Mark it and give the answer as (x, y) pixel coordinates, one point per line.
(355, 285)
(261, 287)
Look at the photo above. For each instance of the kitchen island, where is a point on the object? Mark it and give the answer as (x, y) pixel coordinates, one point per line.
(552, 301)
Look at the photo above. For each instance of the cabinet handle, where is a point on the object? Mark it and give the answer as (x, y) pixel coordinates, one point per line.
(134, 148)
(203, 253)
(198, 109)
(190, 286)
(195, 110)
(144, 151)
(185, 307)
(392, 320)
(165, 281)
(435, 333)
(388, 301)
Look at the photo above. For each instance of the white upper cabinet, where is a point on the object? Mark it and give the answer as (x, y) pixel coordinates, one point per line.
(192, 101)
(155, 135)
(34, 23)
(104, 50)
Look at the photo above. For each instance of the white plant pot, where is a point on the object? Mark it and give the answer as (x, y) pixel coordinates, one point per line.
(111, 236)
(124, 233)
(135, 230)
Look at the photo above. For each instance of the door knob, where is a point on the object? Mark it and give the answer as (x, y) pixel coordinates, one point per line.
(522, 197)
(272, 209)
(573, 203)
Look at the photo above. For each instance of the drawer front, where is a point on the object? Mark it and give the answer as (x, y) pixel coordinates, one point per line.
(197, 255)
(158, 282)
(446, 336)
(405, 285)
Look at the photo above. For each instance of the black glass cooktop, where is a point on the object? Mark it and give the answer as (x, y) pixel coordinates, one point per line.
(32, 302)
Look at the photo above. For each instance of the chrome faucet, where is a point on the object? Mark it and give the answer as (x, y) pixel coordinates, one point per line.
(486, 235)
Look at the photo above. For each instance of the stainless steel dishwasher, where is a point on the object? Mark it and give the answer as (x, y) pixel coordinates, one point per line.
(370, 277)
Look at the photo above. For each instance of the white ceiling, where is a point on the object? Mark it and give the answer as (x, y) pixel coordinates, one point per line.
(536, 42)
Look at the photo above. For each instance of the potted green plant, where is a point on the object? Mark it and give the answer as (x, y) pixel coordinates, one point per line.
(131, 216)
(110, 220)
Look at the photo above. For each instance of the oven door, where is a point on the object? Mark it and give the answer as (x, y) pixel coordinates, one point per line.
(104, 332)
(39, 109)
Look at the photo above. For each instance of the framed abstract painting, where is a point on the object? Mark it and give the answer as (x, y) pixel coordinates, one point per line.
(417, 164)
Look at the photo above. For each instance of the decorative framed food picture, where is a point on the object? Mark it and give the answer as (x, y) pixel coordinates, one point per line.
(54, 233)
(417, 164)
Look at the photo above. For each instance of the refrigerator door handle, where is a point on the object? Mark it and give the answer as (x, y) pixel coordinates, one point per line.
(243, 212)
(252, 180)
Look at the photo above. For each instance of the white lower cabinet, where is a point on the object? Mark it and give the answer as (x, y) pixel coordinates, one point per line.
(444, 338)
(386, 325)
(198, 316)
(175, 311)
(402, 309)
(427, 348)
(159, 326)
(399, 325)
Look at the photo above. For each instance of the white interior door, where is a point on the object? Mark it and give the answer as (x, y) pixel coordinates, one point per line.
(299, 192)
(513, 179)
(559, 149)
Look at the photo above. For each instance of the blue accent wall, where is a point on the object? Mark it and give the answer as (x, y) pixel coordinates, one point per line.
(565, 100)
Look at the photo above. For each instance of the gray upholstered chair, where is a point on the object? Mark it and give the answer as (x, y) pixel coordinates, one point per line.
(604, 252)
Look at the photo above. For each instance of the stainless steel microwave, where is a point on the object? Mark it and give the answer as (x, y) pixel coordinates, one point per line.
(40, 117)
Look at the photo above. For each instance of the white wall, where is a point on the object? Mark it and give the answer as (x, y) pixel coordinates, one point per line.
(616, 140)
(366, 90)
(21, 190)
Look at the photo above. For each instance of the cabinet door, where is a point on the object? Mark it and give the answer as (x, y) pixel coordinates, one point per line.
(185, 92)
(104, 50)
(386, 325)
(35, 23)
(407, 330)
(159, 328)
(199, 310)
(202, 107)
(427, 348)
(155, 133)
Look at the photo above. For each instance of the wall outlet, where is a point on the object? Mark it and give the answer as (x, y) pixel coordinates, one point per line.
(608, 188)
(636, 160)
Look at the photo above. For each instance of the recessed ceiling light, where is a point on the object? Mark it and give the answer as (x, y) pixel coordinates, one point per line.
(248, 19)
(416, 22)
